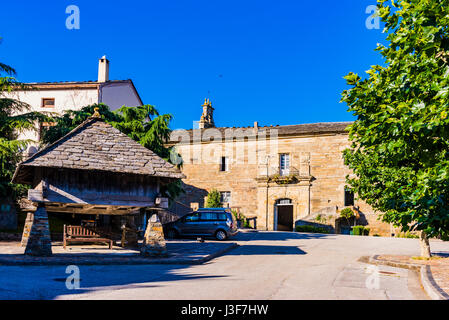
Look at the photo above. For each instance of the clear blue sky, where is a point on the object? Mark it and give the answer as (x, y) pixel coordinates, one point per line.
(276, 62)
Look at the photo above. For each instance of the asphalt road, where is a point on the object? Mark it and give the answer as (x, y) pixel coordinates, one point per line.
(267, 265)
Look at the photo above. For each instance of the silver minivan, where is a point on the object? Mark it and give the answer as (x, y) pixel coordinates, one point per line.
(219, 223)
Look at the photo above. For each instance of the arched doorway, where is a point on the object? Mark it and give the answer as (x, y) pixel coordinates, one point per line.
(283, 217)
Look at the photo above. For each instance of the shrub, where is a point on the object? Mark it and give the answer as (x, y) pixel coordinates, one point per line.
(311, 229)
(347, 213)
(360, 231)
(213, 199)
(407, 235)
(239, 216)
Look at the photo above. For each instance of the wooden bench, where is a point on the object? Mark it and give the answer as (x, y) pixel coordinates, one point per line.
(82, 234)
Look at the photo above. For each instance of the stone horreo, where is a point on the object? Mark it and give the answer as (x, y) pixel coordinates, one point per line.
(95, 171)
(281, 176)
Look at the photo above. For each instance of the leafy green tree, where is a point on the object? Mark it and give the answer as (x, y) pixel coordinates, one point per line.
(15, 117)
(143, 124)
(213, 199)
(347, 214)
(400, 141)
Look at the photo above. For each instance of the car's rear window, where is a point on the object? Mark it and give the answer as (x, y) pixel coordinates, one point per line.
(208, 216)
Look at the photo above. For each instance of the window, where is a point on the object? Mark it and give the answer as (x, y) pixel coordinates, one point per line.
(193, 218)
(222, 217)
(224, 165)
(349, 198)
(208, 216)
(48, 102)
(284, 202)
(284, 164)
(225, 197)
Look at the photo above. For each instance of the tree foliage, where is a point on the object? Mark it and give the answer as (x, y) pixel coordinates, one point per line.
(15, 117)
(143, 124)
(400, 141)
(213, 199)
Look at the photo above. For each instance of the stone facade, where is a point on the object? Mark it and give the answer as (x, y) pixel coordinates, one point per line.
(313, 185)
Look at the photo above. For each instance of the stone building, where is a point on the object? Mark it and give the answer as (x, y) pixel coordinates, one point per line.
(280, 175)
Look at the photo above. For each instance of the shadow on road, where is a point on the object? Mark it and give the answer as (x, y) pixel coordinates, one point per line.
(44, 282)
(278, 236)
(249, 249)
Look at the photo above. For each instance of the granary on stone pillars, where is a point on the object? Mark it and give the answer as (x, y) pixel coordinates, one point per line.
(94, 170)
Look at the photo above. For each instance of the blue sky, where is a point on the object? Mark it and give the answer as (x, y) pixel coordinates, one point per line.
(276, 62)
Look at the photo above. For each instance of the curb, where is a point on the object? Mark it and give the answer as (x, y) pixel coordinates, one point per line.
(430, 286)
(114, 261)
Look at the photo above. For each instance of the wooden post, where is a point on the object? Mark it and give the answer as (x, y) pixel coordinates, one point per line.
(64, 237)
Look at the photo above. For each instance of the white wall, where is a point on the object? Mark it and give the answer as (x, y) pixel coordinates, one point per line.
(70, 99)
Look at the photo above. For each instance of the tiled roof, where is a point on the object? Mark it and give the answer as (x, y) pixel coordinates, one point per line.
(289, 130)
(96, 145)
(54, 85)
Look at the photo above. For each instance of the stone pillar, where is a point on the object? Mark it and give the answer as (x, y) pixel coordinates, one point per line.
(27, 228)
(39, 242)
(154, 241)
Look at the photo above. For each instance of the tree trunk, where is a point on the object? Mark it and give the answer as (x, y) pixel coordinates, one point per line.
(425, 246)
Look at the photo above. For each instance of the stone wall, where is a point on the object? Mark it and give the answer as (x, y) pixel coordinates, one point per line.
(316, 158)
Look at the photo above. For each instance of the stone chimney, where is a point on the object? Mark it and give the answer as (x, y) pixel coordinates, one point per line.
(103, 69)
(207, 118)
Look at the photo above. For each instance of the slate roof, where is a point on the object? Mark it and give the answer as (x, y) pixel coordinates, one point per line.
(96, 145)
(289, 130)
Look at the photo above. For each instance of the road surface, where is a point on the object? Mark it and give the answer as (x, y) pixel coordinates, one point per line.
(267, 265)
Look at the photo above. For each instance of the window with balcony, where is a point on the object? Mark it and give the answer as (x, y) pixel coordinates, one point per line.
(284, 164)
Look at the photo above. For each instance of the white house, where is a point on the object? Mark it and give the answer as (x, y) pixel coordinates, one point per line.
(61, 96)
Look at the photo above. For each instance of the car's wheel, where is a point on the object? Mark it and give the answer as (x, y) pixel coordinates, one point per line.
(172, 234)
(221, 235)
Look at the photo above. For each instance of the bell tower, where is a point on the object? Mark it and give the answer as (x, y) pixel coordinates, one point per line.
(207, 118)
